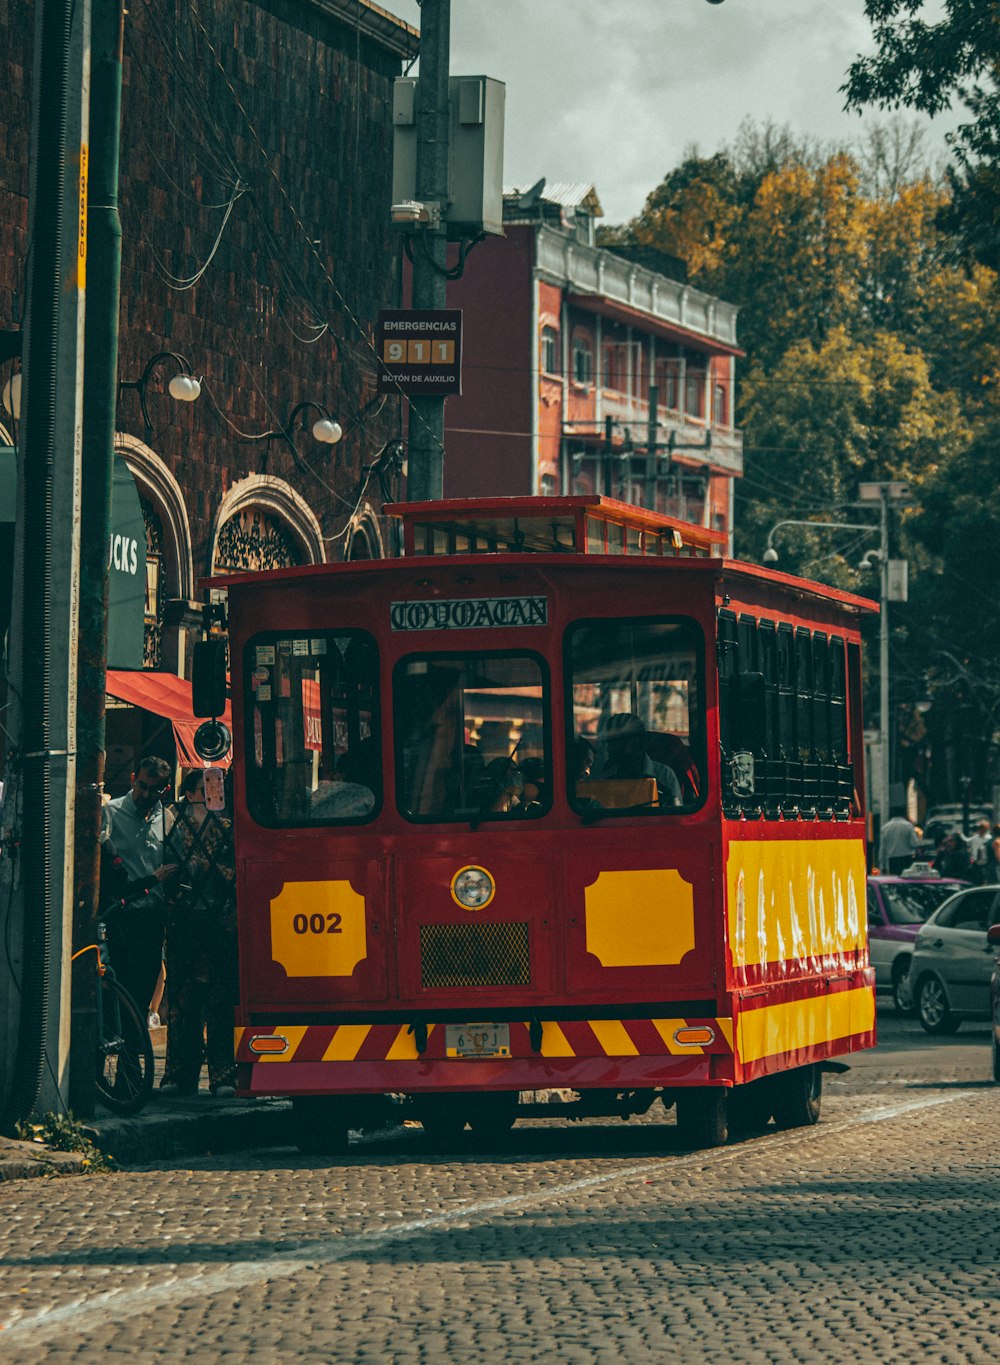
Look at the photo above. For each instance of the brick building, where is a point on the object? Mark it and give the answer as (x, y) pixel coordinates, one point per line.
(562, 340)
(254, 192)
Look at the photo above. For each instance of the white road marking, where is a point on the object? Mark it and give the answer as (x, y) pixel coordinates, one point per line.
(85, 1314)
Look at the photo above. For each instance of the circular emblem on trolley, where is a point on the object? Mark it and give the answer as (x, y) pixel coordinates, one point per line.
(472, 888)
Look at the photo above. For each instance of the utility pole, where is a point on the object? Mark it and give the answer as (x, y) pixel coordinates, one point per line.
(100, 400)
(45, 614)
(430, 258)
(652, 437)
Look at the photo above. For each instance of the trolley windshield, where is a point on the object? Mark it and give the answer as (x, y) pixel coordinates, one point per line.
(472, 736)
(636, 714)
(314, 736)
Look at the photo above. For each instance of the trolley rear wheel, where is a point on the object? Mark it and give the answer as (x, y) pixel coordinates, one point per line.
(492, 1114)
(750, 1107)
(797, 1096)
(443, 1117)
(703, 1117)
(124, 1052)
(320, 1125)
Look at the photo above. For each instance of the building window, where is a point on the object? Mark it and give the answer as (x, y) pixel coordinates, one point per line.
(668, 383)
(153, 634)
(550, 351)
(720, 414)
(613, 367)
(583, 360)
(694, 393)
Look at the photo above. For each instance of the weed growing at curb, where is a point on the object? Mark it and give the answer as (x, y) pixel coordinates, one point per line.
(64, 1133)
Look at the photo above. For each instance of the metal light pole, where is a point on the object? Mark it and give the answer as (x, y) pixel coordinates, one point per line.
(883, 654)
(426, 428)
(896, 493)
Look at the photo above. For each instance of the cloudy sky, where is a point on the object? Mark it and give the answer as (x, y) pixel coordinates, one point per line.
(612, 91)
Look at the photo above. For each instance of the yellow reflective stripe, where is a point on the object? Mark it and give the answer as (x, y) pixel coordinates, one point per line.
(294, 1035)
(725, 1027)
(555, 1042)
(404, 1048)
(666, 1028)
(613, 1037)
(237, 1038)
(804, 1023)
(346, 1042)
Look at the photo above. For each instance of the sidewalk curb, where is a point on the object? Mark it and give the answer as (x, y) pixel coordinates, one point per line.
(201, 1127)
(25, 1160)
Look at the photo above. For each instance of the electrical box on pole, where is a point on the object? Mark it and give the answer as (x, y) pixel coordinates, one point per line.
(475, 154)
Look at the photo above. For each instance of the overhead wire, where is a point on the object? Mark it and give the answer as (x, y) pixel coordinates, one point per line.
(368, 371)
(293, 282)
(182, 283)
(255, 136)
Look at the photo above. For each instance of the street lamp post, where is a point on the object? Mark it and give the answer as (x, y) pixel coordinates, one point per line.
(896, 493)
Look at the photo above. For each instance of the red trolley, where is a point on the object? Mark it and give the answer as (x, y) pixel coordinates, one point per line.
(561, 799)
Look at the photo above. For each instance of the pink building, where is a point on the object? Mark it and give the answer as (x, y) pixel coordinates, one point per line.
(562, 342)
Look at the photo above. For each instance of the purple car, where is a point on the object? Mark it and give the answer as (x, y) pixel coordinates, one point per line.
(897, 907)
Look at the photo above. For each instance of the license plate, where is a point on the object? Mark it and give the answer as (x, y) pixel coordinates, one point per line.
(477, 1040)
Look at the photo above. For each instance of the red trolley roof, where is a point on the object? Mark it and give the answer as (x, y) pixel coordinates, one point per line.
(579, 524)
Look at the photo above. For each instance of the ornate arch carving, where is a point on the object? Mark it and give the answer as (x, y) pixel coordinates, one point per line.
(156, 483)
(278, 499)
(364, 526)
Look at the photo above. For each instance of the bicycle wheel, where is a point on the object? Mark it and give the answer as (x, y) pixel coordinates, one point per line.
(124, 1053)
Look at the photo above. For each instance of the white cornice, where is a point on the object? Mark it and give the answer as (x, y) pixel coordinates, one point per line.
(374, 22)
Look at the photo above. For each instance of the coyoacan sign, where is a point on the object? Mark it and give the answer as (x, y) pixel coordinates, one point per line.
(469, 613)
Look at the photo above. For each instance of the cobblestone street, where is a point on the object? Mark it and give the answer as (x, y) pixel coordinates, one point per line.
(869, 1236)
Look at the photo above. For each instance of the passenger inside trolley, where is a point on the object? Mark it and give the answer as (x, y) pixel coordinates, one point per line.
(637, 715)
(624, 737)
(469, 726)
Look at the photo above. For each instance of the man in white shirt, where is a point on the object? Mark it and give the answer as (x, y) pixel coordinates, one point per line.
(897, 845)
(979, 842)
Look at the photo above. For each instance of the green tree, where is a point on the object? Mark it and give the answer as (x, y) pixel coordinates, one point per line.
(826, 418)
(953, 625)
(692, 214)
(923, 64)
(872, 353)
(928, 56)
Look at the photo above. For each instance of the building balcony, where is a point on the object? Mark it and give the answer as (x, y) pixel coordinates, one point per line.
(634, 293)
(630, 417)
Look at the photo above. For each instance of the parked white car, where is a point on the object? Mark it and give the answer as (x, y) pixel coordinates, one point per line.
(949, 977)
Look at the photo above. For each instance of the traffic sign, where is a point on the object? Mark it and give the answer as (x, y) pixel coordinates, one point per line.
(895, 490)
(420, 351)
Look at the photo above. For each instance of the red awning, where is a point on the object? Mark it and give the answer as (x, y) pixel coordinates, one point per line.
(170, 697)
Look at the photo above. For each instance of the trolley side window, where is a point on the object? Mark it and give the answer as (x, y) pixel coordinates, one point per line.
(472, 737)
(636, 716)
(783, 720)
(313, 743)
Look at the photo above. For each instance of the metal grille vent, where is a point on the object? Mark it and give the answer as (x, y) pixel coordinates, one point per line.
(474, 955)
